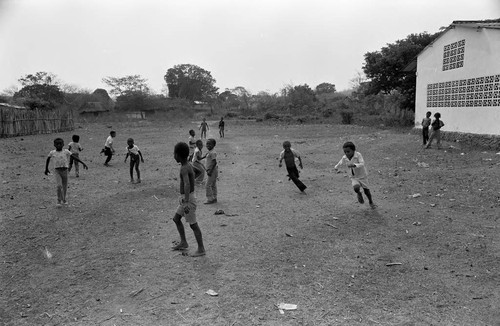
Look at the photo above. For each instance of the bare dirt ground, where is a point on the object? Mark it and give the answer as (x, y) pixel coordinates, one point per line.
(111, 262)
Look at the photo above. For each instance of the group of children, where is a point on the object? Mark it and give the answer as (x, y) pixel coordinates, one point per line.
(352, 159)
(435, 125)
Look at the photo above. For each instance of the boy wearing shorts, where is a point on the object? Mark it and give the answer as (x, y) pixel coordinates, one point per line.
(357, 172)
(187, 201)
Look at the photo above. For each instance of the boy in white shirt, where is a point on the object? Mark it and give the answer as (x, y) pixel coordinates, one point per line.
(75, 148)
(61, 162)
(135, 154)
(358, 173)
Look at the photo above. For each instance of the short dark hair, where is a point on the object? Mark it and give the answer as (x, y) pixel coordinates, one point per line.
(286, 143)
(182, 149)
(112, 132)
(58, 139)
(437, 115)
(428, 113)
(199, 141)
(350, 145)
(212, 141)
(75, 138)
(191, 131)
(130, 139)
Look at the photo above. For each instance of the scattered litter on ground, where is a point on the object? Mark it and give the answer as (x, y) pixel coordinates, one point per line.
(422, 165)
(416, 195)
(219, 212)
(333, 226)
(393, 264)
(433, 205)
(134, 293)
(285, 306)
(212, 293)
(288, 235)
(156, 197)
(417, 223)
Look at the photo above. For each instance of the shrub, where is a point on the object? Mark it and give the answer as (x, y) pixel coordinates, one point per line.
(347, 117)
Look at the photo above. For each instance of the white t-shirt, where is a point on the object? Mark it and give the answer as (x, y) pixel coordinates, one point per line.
(60, 158)
(75, 147)
(109, 142)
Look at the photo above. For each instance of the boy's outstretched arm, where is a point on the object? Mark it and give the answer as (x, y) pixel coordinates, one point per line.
(140, 154)
(47, 166)
(80, 161)
(339, 164)
(126, 157)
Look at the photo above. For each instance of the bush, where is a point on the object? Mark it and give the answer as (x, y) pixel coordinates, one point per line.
(347, 117)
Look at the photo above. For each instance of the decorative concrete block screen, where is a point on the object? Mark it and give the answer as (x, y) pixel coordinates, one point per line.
(453, 55)
(471, 92)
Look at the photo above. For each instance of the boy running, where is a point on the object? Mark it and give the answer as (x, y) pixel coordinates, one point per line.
(289, 154)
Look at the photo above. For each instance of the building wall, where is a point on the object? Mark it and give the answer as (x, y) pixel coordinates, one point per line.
(481, 59)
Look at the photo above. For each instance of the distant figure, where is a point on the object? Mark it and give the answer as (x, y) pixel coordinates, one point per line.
(108, 147)
(436, 126)
(289, 155)
(75, 148)
(221, 127)
(426, 122)
(212, 172)
(61, 162)
(191, 143)
(135, 154)
(358, 172)
(187, 202)
(198, 167)
(204, 128)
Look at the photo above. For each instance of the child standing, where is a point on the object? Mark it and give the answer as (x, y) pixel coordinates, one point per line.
(212, 172)
(221, 127)
(108, 147)
(358, 172)
(75, 148)
(198, 167)
(204, 128)
(436, 126)
(426, 122)
(289, 155)
(187, 201)
(191, 143)
(135, 154)
(61, 162)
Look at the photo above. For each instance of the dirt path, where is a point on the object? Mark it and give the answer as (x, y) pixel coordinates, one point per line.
(111, 263)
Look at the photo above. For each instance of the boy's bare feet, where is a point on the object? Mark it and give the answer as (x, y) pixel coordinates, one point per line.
(180, 246)
(198, 253)
(373, 205)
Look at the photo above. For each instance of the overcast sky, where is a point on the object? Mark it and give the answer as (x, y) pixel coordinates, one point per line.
(261, 45)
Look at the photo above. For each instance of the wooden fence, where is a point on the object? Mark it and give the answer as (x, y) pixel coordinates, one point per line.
(15, 121)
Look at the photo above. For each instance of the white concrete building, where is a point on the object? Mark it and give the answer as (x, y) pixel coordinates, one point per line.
(458, 75)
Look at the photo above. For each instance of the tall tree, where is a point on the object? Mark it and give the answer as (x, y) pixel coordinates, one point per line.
(325, 88)
(39, 78)
(128, 85)
(190, 82)
(40, 90)
(301, 95)
(384, 68)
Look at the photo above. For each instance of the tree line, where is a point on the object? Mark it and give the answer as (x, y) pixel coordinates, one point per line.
(383, 73)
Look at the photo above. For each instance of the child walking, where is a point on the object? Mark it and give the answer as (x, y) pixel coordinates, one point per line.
(358, 172)
(187, 202)
(108, 147)
(191, 143)
(221, 127)
(212, 172)
(75, 148)
(436, 126)
(426, 122)
(198, 167)
(289, 155)
(135, 154)
(61, 162)
(204, 128)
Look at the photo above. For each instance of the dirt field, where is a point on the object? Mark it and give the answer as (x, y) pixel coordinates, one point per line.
(428, 255)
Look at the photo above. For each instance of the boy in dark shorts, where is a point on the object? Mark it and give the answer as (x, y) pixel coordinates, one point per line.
(187, 201)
